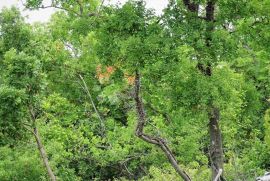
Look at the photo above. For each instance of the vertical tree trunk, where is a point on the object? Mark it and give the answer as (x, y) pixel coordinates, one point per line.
(216, 150)
(216, 147)
(43, 155)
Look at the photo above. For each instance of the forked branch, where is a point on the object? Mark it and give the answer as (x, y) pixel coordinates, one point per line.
(150, 139)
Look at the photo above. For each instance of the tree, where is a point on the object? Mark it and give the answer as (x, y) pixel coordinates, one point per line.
(209, 28)
(22, 76)
(117, 92)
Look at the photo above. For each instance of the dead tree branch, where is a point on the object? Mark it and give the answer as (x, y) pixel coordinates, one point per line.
(150, 139)
(85, 87)
(42, 151)
(43, 154)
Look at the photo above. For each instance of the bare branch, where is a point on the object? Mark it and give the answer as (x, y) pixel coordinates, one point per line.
(218, 175)
(34, 130)
(150, 139)
(102, 124)
(43, 154)
(56, 7)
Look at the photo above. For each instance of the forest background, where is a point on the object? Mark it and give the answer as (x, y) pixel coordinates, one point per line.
(119, 92)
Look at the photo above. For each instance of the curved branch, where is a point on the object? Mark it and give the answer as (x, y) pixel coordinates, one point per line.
(150, 139)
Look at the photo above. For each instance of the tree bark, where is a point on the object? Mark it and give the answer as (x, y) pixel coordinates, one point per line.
(191, 6)
(41, 148)
(150, 139)
(218, 175)
(43, 154)
(216, 147)
(216, 150)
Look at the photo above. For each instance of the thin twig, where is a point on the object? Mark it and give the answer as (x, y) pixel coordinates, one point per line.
(102, 124)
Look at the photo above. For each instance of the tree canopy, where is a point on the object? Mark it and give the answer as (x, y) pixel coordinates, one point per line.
(117, 92)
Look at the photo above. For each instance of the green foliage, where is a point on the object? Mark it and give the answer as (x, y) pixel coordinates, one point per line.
(22, 71)
(21, 163)
(14, 31)
(79, 7)
(267, 126)
(41, 66)
(12, 115)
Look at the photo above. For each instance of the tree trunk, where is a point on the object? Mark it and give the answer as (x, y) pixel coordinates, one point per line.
(216, 150)
(150, 139)
(43, 155)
